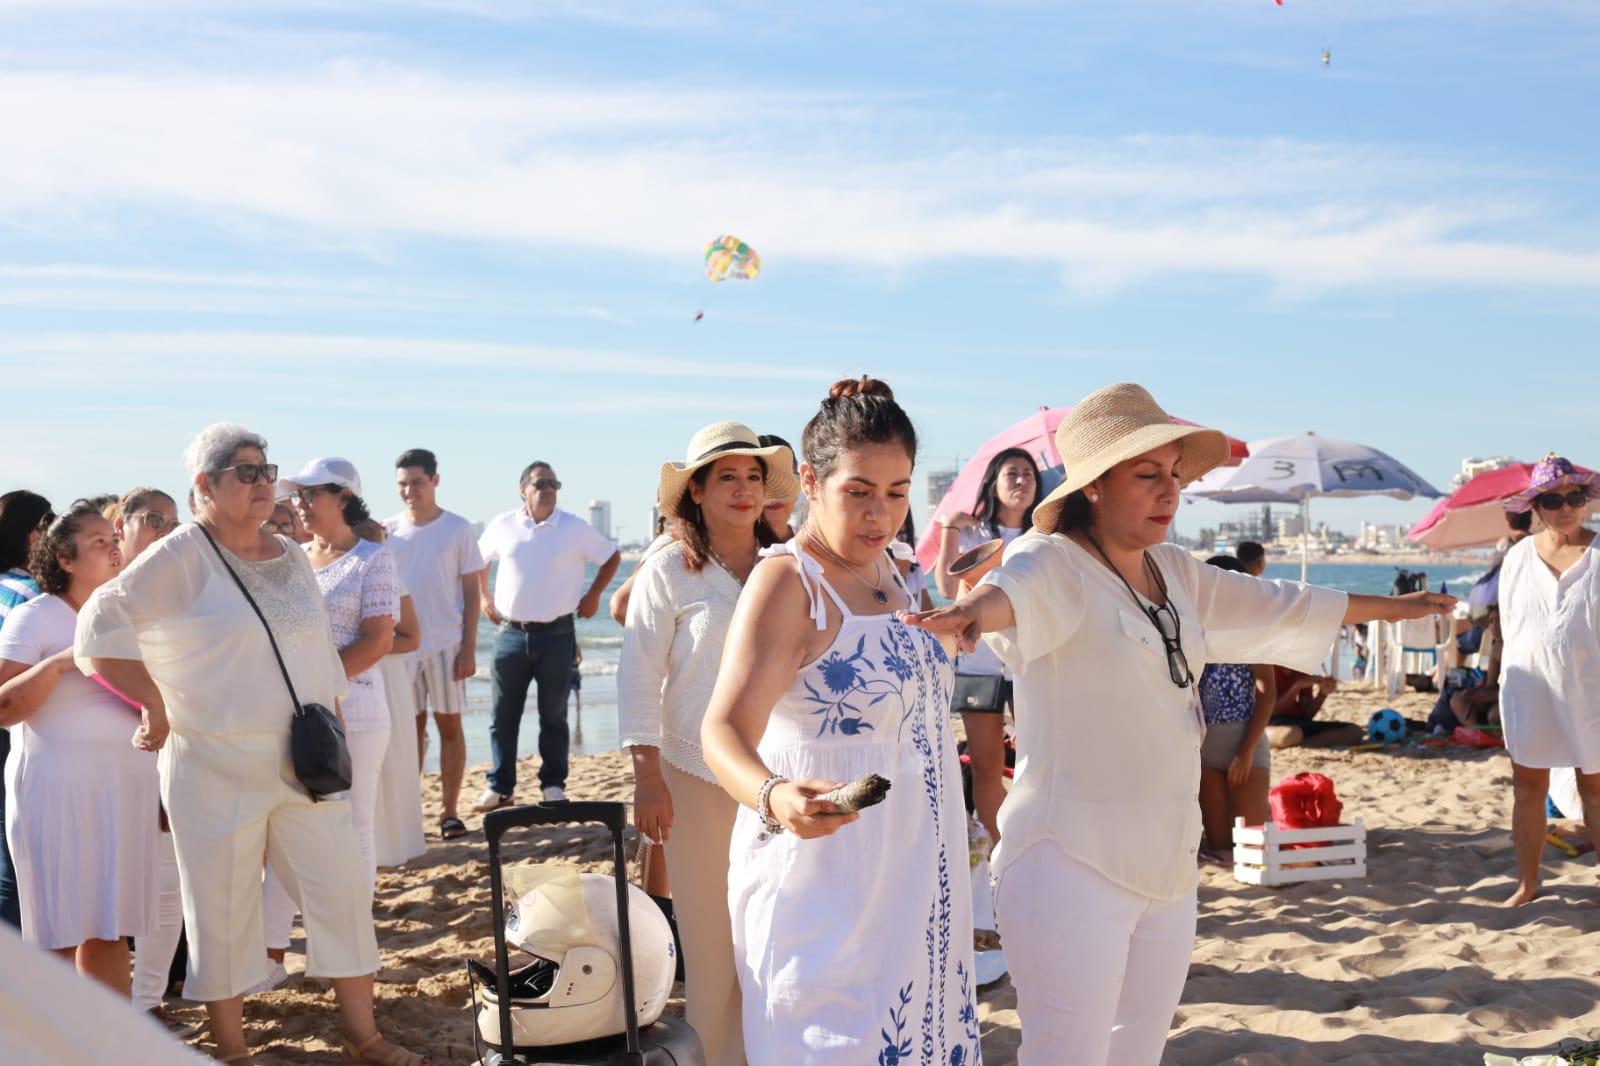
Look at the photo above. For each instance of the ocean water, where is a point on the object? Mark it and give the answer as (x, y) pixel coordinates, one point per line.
(594, 725)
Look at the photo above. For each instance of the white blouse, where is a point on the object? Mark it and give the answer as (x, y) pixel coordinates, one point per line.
(671, 649)
(177, 609)
(361, 584)
(1550, 665)
(1108, 748)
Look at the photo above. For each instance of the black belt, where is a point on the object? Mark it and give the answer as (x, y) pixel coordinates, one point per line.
(564, 622)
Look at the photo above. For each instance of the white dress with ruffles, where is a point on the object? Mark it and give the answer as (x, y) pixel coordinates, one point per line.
(857, 947)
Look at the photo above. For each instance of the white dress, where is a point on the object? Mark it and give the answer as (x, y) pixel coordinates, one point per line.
(856, 947)
(399, 828)
(82, 813)
(1550, 666)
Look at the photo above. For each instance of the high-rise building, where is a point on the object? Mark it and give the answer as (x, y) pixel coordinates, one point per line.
(1471, 468)
(600, 517)
(939, 482)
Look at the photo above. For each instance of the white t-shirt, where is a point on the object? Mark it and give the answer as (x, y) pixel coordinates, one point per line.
(359, 585)
(982, 660)
(541, 563)
(78, 710)
(433, 558)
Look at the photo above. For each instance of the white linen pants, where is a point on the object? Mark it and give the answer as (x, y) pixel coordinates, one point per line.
(399, 819)
(697, 863)
(152, 953)
(228, 798)
(1098, 968)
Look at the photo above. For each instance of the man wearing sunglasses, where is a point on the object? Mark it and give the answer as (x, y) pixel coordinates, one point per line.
(544, 555)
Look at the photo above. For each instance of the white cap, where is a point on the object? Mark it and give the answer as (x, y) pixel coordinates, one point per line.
(329, 470)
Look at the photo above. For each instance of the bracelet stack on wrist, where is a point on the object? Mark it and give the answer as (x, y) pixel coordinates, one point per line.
(771, 827)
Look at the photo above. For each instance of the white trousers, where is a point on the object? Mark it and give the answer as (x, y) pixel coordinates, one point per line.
(229, 798)
(1098, 968)
(153, 952)
(366, 767)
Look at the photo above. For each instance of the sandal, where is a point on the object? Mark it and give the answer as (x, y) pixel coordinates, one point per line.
(397, 1056)
(452, 828)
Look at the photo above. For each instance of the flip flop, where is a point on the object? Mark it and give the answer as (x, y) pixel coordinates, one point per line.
(452, 828)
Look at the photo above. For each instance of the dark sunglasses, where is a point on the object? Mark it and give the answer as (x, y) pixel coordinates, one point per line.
(307, 493)
(1177, 663)
(250, 473)
(1552, 501)
(153, 519)
(546, 483)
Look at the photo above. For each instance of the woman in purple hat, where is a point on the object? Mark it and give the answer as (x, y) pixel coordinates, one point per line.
(1550, 617)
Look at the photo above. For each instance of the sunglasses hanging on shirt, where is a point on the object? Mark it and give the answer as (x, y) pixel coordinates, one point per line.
(1177, 663)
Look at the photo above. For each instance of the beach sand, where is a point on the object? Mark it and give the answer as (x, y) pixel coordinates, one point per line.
(1414, 964)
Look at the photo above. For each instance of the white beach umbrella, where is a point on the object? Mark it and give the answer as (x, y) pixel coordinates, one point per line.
(1294, 469)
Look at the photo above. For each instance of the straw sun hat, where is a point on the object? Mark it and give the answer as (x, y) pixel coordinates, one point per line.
(1116, 424)
(715, 442)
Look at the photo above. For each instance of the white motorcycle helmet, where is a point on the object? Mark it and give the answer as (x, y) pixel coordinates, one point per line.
(572, 990)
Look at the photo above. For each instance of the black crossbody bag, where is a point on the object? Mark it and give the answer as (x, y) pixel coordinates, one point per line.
(316, 736)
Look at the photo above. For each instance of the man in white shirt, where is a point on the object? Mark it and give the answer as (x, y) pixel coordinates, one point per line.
(437, 553)
(544, 553)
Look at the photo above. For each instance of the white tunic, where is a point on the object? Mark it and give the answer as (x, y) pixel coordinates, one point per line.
(857, 947)
(361, 584)
(1550, 667)
(671, 649)
(1108, 747)
(81, 801)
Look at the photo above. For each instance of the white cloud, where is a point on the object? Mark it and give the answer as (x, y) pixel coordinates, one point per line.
(359, 153)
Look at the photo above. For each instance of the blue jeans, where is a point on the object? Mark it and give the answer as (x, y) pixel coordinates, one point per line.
(544, 659)
(10, 905)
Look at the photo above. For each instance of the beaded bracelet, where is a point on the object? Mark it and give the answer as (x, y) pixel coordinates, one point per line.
(772, 827)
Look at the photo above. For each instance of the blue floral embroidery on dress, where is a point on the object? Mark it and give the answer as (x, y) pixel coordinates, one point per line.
(968, 1016)
(897, 1048)
(841, 674)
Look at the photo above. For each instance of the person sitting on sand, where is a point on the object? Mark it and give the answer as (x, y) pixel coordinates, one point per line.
(1549, 601)
(1252, 557)
(1299, 697)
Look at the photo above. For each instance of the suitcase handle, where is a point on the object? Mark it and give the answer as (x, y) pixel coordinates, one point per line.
(495, 825)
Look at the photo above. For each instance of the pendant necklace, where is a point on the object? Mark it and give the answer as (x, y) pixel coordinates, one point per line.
(875, 585)
(726, 568)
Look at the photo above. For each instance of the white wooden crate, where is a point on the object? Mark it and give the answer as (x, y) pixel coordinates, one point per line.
(1259, 858)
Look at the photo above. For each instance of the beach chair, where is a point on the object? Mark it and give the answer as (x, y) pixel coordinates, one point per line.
(668, 1042)
(1415, 646)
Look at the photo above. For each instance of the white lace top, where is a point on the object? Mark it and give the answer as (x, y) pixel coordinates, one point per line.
(362, 583)
(671, 649)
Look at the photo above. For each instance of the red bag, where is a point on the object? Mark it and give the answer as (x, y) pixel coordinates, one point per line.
(1304, 801)
(1475, 738)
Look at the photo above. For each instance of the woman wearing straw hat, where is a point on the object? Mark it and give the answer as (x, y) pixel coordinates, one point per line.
(1106, 628)
(678, 618)
(1550, 664)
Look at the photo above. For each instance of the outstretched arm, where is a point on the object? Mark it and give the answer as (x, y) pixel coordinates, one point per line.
(986, 609)
(1396, 608)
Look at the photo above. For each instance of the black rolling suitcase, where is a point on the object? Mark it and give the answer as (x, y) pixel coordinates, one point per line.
(669, 1042)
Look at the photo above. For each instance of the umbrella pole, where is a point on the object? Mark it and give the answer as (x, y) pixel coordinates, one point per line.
(1305, 536)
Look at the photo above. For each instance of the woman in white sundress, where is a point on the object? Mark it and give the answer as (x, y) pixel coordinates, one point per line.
(851, 930)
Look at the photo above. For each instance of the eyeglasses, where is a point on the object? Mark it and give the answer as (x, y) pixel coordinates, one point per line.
(546, 483)
(1552, 501)
(285, 529)
(155, 520)
(308, 493)
(250, 473)
(1177, 662)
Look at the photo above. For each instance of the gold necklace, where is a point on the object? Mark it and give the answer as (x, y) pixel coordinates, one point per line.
(876, 585)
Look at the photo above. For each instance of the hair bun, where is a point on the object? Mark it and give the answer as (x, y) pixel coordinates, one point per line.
(862, 386)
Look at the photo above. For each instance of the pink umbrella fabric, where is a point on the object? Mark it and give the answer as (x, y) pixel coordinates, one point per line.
(1036, 435)
(1472, 516)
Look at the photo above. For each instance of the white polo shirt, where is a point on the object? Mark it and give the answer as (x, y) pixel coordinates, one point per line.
(541, 575)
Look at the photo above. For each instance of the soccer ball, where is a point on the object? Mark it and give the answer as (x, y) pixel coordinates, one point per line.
(1386, 727)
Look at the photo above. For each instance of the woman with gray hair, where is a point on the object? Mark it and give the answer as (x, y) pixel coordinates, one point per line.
(179, 637)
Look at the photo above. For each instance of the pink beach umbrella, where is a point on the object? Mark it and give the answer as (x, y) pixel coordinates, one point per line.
(1472, 516)
(1036, 435)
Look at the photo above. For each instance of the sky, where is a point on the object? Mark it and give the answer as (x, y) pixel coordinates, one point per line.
(359, 226)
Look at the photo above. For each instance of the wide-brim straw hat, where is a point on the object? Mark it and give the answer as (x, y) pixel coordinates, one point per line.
(717, 441)
(1119, 423)
(1549, 475)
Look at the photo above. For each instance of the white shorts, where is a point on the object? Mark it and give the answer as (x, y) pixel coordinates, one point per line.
(432, 680)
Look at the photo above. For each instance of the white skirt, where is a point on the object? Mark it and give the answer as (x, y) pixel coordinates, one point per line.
(397, 826)
(82, 821)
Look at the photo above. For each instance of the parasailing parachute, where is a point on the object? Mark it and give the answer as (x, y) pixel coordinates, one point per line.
(729, 257)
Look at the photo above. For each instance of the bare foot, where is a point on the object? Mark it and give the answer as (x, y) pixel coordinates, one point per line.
(1523, 896)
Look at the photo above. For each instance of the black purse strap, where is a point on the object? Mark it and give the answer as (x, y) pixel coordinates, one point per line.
(251, 600)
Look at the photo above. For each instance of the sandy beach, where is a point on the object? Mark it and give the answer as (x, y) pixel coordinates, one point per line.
(1414, 964)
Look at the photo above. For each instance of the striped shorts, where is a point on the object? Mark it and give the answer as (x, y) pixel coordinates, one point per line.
(433, 683)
